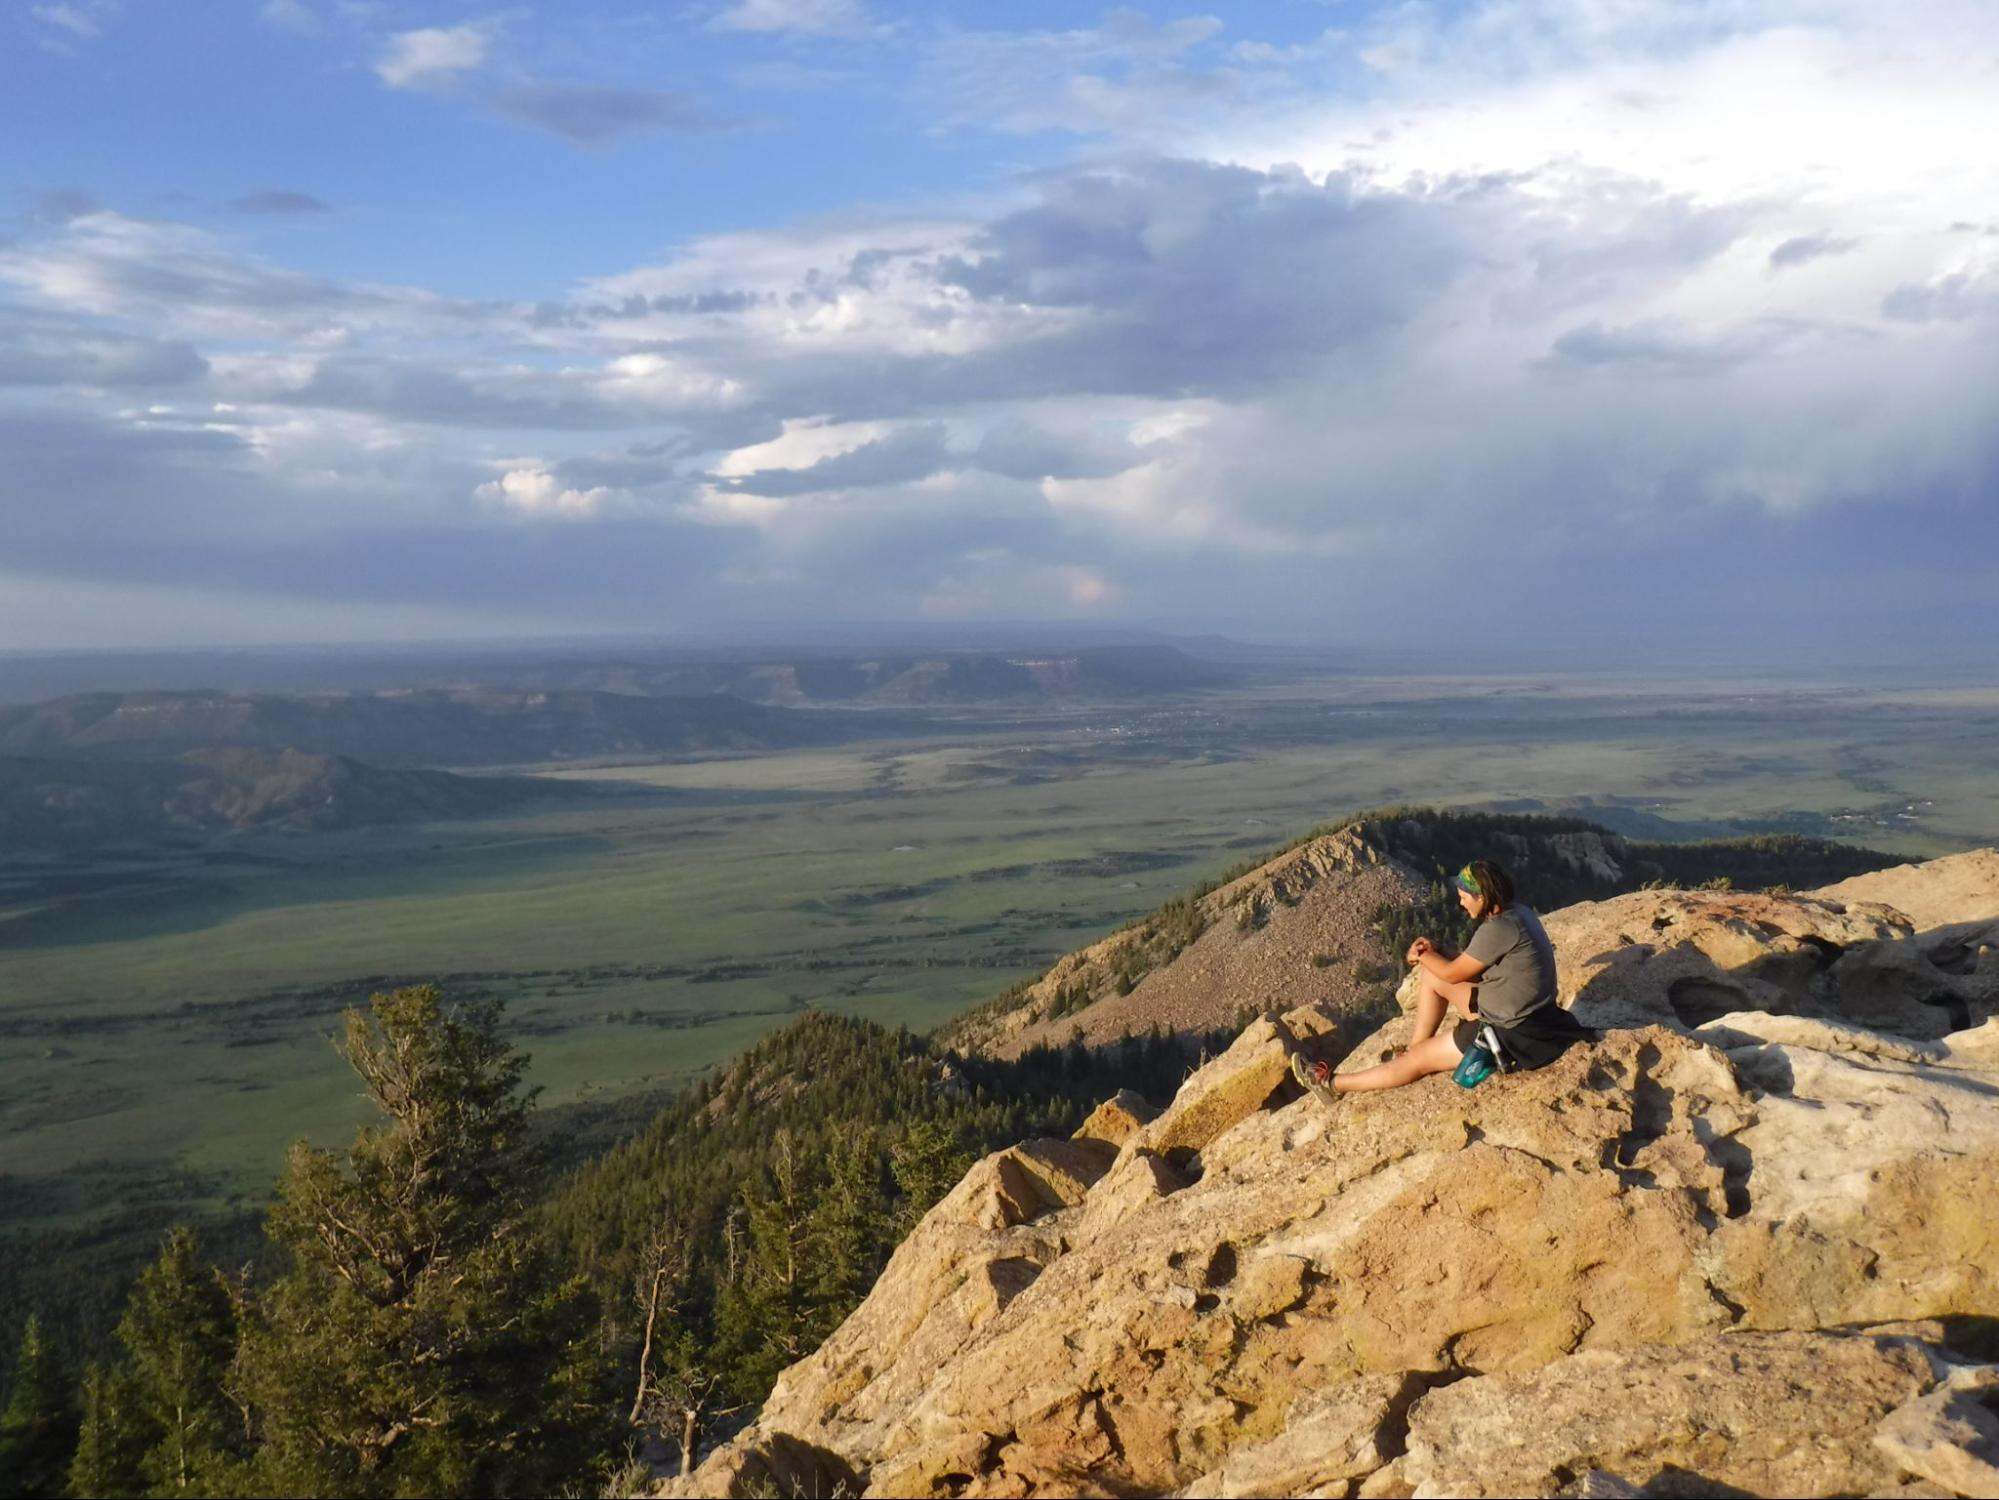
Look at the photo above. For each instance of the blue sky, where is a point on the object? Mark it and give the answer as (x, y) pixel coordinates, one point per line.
(329, 321)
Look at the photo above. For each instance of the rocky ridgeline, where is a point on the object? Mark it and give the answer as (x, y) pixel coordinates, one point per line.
(1299, 928)
(1251, 942)
(1743, 1243)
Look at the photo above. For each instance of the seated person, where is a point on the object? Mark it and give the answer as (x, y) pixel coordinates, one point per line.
(1504, 980)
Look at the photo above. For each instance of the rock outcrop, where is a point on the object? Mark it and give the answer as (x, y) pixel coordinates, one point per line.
(1720, 1250)
(1687, 957)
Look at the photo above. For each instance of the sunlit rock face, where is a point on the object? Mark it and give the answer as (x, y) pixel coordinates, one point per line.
(1688, 957)
(1719, 1250)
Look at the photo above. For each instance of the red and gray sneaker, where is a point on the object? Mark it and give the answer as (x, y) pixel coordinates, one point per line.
(1316, 1075)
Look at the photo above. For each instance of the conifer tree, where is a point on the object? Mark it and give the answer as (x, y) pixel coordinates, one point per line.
(179, 1333)
(765, 1310)
(37, 1419)
(112, 1439)
(421, 1342)
(848, 1225)
(927, 1163)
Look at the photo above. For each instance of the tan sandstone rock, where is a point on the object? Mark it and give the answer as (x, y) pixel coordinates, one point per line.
(1871, 1170)
(1420, 1230)
(1641, 1265)
(1950, 1436)
(1686, 957)
(1954, 905)
(1770, 1414)
(1235, 1085)
(1117, 1119)
(1330, 1437)
(1959, 888)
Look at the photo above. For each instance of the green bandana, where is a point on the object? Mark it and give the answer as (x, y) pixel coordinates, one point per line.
(1464, 882)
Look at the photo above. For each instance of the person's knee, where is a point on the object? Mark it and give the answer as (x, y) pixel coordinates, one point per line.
(1438, 1055)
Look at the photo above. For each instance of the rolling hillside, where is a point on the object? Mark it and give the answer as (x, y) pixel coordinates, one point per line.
(429, 727)
(70, 802)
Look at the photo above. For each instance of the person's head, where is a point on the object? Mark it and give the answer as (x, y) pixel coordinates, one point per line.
(1483, 888)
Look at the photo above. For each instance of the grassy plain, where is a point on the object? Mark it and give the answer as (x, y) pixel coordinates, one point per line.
(164, 1015)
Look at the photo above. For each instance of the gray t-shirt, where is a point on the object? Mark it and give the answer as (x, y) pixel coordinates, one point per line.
(1520, 965)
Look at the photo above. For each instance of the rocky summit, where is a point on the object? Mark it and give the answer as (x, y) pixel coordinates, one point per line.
(1742, 1243)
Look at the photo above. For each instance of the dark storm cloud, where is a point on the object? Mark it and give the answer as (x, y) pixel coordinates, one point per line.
(636, 468)
(1670, 346)
(1211, 278)
(589, 114)
(1174, 279)
(95, 496)
(1807, 247)
(278, 203)
(50, 350)
(915, 453)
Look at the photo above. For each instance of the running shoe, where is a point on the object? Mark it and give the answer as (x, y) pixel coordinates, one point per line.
(1316, 1076)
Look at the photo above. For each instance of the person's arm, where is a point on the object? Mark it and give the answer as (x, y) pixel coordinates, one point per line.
(1451, 968)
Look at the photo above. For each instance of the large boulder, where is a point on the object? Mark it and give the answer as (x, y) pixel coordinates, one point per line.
(1755, 1413)
(1681, 958)
(1958, 889)
(1871, 1168)
(1953, 904)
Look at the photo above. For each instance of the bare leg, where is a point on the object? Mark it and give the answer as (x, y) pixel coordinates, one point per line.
(1433, 998)
(1439, 1054)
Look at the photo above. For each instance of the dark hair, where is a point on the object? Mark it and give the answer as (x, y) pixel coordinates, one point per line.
(1494, 884)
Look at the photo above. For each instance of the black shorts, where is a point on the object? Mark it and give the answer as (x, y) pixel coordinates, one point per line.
(1534, 1041)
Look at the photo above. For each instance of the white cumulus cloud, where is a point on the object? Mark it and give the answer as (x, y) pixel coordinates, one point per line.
(821, 17)
(533, 491)
(434, 54)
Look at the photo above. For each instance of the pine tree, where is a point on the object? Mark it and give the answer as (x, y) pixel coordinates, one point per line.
(927, 1162)
(179, 1333)
(113, 1437)
(37, 1420)
(849, 1223)
(765, 1309)
(421, 1342)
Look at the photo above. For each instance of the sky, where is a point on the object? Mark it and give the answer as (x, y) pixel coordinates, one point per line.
(1477, 322)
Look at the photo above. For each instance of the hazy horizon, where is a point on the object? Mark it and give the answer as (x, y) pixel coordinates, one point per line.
(34, 676)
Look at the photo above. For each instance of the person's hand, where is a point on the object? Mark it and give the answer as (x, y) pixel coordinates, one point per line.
(1417, 949)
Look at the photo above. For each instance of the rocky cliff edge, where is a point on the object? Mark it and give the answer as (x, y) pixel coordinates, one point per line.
(1721, 1250)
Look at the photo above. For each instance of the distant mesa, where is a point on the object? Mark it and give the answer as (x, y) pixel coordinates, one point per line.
(1100, 672)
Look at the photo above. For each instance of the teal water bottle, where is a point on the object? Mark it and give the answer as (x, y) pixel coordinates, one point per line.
(1475, 1067)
